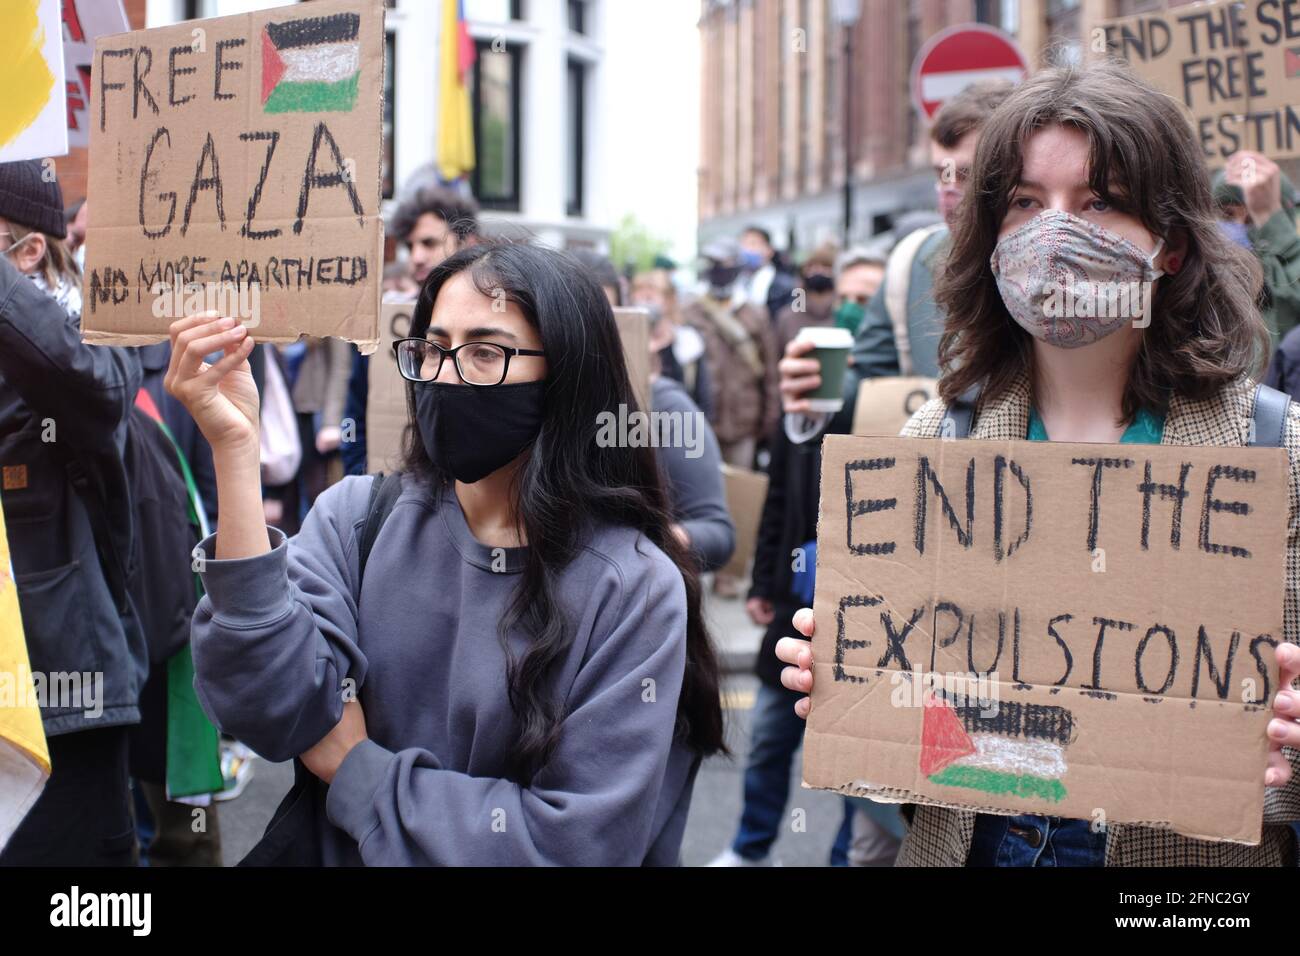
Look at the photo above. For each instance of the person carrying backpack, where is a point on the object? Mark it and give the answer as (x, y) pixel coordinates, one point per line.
(64, 412)
(1091, 173)
(513, 668)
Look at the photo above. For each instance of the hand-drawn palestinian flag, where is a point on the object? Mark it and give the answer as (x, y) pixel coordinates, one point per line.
(311, 65)
(1018, 752)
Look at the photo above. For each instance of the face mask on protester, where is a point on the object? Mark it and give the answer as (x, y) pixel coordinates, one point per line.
(721, 279)
(1237, 232)
(1061, 276)
(750, 261)
(848, 315)
(819, 283)
(471, 432)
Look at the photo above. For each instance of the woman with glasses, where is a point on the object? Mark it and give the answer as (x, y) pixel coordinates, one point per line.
(522, 675)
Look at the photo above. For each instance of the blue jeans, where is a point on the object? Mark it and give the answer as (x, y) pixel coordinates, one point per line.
(776, 734)
(1035, 841)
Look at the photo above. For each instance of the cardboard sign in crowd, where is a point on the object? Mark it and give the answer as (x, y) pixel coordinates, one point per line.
(1234, 65)
(1080, 631)
(235, 163)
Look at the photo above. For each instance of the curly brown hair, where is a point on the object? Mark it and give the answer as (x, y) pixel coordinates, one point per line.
(1144, 159)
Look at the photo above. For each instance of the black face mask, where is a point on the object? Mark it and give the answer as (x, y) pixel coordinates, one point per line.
(722, 278)
(471, 432)
(818, 283)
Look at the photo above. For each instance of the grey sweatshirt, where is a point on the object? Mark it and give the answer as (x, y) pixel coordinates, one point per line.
(280, 638)
(695, 484)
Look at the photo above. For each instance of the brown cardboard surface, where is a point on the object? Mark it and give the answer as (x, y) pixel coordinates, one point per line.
(1084, 675)
(746, 491)
(1228, 67)
(885, 404)
(634, 330)
(233, 175)
(386, 413)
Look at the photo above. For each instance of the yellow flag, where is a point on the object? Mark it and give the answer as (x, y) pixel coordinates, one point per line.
(24, 758)
(455, 125)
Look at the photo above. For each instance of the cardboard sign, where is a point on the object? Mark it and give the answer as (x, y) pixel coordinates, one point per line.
(386, 413)
(634, 330)
(746, 491)
(1083, 631)
(33, 109)
(235, 165)
(1234, 65)
(885, 404)
(84, 21)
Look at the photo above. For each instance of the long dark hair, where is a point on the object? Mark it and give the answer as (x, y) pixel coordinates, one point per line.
(570, 484)
(1143, 157)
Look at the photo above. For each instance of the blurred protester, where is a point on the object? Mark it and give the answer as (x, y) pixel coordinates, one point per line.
(432, 222)
(782, 582)
(320, 391)
(741, 353)
(680, 348)
(765, 280)
(72, 620)
(899, 333)
(693, 464)
(1256, 203)
(814, 297)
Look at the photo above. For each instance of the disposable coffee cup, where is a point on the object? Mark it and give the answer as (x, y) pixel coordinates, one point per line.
(831, 346)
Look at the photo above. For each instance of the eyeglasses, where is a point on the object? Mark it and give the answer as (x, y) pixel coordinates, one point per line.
(477, 363)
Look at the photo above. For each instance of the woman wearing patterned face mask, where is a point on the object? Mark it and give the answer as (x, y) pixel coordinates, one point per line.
(1088, 182)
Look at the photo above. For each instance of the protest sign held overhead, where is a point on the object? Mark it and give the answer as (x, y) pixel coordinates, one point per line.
(1084, 631)
(83, 22)
(1235, 66)
(235, 166)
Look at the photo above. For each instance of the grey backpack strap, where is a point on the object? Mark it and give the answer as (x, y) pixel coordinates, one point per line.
(384, 491)
(1268, 420)
(960, 414)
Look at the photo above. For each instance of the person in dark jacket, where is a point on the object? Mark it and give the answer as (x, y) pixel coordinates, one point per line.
(54, 387)
(781, 583)
(767, 282)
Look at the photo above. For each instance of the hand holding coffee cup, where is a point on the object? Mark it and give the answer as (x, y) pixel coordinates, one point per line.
(815, 384)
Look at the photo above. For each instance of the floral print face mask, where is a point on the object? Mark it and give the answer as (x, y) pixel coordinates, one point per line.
(1069, 282)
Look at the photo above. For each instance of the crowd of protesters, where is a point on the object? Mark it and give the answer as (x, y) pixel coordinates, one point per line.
(475, 633)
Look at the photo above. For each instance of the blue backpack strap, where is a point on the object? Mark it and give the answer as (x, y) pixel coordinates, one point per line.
(959, 416)
(1268, 420)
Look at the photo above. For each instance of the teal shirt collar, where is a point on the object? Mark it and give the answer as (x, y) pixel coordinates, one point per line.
(1147, 428)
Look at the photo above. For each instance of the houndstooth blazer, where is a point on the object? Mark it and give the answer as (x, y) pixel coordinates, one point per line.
(942, 837)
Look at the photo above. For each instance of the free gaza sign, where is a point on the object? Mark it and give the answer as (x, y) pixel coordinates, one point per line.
(235, 164)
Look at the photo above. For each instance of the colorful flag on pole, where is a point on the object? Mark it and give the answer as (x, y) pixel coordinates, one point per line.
(455, 122)
(24, 757)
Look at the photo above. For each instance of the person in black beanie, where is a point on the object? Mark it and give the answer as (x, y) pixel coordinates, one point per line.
(64, 408)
